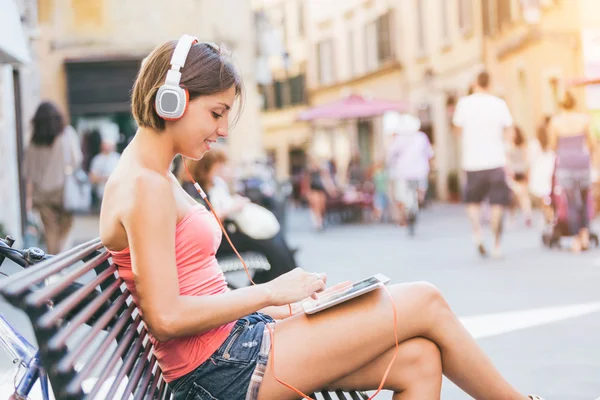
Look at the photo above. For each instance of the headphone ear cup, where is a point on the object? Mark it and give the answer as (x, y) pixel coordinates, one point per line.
(171, 102)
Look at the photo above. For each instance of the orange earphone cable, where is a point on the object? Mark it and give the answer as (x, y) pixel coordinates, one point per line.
(271, 330)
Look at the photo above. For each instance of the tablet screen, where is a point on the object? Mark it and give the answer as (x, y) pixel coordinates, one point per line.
(344, 291)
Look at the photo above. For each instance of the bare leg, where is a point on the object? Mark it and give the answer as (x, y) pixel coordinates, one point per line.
(52, 230)
(524, 201)
(475, 218)
(416, 374)
(312, 352)
(322, 204)
(313, 201)
(473, 210)
(497, 216)
(401, 214)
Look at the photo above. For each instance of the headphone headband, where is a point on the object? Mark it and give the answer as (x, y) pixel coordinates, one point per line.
(178, 59)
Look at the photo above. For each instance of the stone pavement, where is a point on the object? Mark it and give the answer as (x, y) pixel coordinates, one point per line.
(536, 312)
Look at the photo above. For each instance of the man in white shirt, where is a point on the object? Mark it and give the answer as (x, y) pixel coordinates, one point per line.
(485, 124)
(103, 165)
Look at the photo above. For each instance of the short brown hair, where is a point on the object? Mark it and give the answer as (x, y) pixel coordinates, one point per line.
(568, 101)
(199, 169)
(483, 80)
(207, 71)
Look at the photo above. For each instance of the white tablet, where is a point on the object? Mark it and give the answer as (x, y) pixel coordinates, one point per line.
(344, 293)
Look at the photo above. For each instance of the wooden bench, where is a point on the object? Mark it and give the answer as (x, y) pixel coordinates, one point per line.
(93, 343)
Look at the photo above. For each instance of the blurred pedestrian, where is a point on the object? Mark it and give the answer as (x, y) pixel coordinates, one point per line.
(381, 201)
(518, 167)
(103, 165)
(356, 173)
(572, 140)
(541, 168)
(485, 123)
(91, 146)
(321, 186)
(408, 159)
(54, 148)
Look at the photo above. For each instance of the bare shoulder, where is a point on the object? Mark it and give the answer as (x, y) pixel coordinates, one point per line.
(130, 201)
(150, 193)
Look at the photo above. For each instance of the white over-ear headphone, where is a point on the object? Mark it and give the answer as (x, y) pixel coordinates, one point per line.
(171, 99)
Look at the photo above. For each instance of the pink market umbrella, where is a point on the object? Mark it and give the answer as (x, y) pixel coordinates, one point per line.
(351, 107)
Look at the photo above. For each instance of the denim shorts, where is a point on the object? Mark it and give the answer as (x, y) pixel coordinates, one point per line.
(235, 370)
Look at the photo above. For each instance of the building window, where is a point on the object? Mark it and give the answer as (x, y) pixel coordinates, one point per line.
(444, 27)
(283, 93)
(465, 16)
(325, 61)
(371, 46)
(384, 27)
(351, 54)
(503, 14)
(300, 18)
(268, 96)
(297, 92)
(378, 41)
(421, 40)
(487, 12)
(279, 87)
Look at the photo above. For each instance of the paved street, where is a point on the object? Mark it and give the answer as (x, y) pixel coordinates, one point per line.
(536, 312)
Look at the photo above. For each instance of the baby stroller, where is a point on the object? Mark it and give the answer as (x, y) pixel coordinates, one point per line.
(559, 202)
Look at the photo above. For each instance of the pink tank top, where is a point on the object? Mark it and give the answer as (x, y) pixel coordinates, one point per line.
(197, 239)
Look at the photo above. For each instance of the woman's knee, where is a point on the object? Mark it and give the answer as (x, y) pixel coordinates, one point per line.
(424, 360)
(426, 299)
(427, 295)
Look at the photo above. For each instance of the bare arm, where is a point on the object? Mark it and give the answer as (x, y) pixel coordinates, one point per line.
(95, 178)
(552, 136)
(150, 227)
(509, 134)
(590, 139)
(150, 230)
(328, 183)
(281, 312)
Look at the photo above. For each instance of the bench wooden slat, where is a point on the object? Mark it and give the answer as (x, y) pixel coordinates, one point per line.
(67, 363)
(49, 292)
(21, 282)
(61, 309)
(145, 379)
(134, 373)
(123, 345)
(153, 388)
(111, 310)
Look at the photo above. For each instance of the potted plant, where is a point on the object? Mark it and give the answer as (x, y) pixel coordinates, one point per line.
(453, 187)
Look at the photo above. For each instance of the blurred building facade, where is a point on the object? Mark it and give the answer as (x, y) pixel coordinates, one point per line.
(442, 46)
(426, 53)
(354, 48)
(282, 60)
(384, 49)
(19, 94)
(533, 58)
(91, 52)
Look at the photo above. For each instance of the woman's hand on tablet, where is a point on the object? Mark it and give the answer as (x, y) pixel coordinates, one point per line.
(294, 286)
